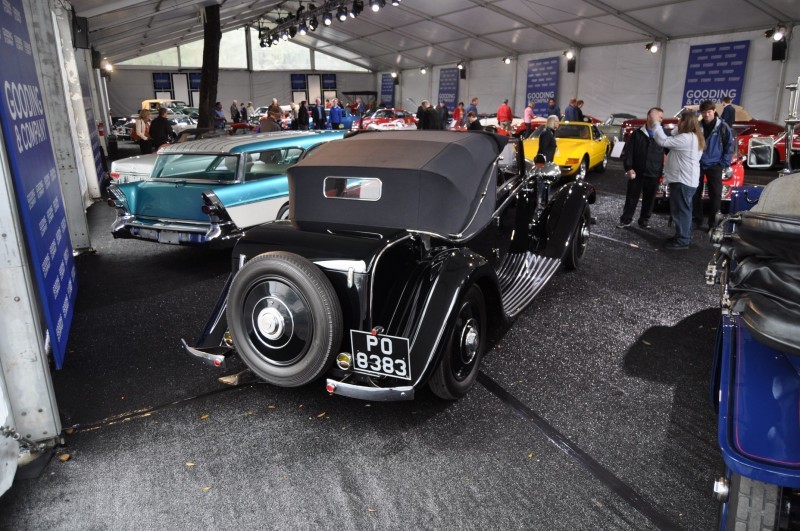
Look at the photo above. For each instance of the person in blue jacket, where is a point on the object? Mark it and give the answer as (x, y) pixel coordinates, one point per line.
(715, 161)
(336, 115)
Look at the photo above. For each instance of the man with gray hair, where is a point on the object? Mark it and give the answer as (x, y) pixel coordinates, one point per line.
(430, 118)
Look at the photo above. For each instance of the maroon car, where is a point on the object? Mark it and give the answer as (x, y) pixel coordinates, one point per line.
(744, 124)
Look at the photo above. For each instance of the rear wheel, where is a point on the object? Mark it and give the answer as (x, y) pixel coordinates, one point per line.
(577, 247)
(284, 318)
(582, 169)
(283, 213)
(600, 168)
(459, 364)
(752, 505)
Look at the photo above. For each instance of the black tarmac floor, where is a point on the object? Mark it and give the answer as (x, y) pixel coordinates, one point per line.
(592, 411)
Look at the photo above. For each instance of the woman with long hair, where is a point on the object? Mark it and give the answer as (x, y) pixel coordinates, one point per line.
(681, 172)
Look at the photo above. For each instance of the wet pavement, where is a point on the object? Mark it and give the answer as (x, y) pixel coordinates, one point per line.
(593, 411)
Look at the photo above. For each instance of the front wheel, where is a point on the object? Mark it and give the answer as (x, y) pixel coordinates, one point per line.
(284, 318)
(283, 213)
(459, 364)
(752, 505)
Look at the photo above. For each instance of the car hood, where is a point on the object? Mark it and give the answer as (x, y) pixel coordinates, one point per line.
(166, 200)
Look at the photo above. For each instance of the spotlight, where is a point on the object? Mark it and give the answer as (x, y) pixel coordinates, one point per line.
(423, 70)
(275, 38)
(460, 65)
(341, 13)
(652, 47)
(780, 32)
(569, 54)
(395, 2)
(285, 35)
(376, 5)
(263, 43)
(356, 9)
(302, 29)
(108, 67)
(327, 18)
(394, 74)
(313, 23)
(507, 60)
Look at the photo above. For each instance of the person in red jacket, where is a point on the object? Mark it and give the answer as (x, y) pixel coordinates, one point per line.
(504, 116)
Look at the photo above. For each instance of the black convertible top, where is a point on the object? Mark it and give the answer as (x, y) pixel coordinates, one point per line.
(433, 181)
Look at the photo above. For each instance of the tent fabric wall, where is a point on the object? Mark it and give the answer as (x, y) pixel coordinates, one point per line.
(130, 85)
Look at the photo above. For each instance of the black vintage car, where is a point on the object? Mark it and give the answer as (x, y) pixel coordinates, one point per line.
(402, 251)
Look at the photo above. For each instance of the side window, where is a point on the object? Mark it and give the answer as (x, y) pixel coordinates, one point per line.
(270, 163)
(596, 133)
(401, 115)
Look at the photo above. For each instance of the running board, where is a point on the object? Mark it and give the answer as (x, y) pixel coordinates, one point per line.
(521, 277)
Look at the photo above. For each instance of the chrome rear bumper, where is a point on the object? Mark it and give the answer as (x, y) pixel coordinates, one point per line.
(375, 394)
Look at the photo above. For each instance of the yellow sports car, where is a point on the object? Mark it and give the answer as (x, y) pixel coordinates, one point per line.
(580, 147)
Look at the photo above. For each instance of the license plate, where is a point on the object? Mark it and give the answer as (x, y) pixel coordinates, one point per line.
(380, 355)
(168, 236)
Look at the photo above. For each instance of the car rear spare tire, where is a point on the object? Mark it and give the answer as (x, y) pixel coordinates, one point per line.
(285, 319)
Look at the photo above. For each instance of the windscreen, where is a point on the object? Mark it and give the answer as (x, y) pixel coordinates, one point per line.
(196, 167)
(573, 131)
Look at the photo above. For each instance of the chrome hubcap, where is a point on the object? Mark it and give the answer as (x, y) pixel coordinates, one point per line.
(270, 323)
(470, 340)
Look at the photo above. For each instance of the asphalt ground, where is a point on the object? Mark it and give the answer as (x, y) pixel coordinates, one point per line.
(592, 411)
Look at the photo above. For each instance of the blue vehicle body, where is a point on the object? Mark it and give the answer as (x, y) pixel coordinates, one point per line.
(755, 385)
(208, 191)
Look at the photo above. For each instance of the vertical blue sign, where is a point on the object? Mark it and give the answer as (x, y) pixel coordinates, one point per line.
(33, 170)
(542, 83)
(448, 87)
(328, 81)
(715, 71)
(194, 80)
(298, 81)
(387, 90)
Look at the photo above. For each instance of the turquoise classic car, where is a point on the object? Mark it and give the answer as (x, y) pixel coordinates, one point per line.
(208, 191)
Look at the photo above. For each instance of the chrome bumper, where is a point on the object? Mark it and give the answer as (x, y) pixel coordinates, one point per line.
(375, 394)
(214, 356)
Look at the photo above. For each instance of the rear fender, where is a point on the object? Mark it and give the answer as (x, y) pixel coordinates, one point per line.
(428, 306)
(759, 425)
(561, 218)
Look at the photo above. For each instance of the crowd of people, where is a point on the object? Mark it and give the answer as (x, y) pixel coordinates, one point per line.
(698, 150)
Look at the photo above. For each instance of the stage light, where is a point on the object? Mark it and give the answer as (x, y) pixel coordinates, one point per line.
(302, 29)
(570, 54)
(394, 74)
(395, 2)
(313, 23)
(780, 32)
(341, 13)
(376, 5)
(652, 47)
(327, 18)
(356, 9)
(423, 70)
(507, 60)
(460, 65)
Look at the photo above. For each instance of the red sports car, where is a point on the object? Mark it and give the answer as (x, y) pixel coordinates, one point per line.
(736, 178)
(388, 118)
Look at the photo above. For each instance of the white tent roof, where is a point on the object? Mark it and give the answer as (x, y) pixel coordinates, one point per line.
(428, 32)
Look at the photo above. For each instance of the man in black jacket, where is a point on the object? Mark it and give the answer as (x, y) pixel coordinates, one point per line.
(643, 161)
(430, 118)
(160, 129)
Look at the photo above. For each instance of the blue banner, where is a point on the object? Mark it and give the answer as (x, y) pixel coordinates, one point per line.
(715, 71)
(298, 81)
(194, 80)
(162, 81)
(387, 90)
(542, 83)
(448, 88)
(36, 184)
(328, 81)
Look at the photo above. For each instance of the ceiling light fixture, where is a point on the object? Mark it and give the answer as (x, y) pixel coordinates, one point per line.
(376, 5)
(341, 13)
(302, 29)
(460, 65)
(327, 18)
(780, 33)
(395, 2)
(507, 60)
(423, 70)
(569, 54)
(394, 74)
(356, 9)
(313, 23)
(652, 47)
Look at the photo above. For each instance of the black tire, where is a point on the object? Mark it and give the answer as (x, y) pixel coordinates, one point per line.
(284, 318)
(601, 168)
(283, 213)
(752, 505)
(460, 362)
(583, 169)
(578, 244)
